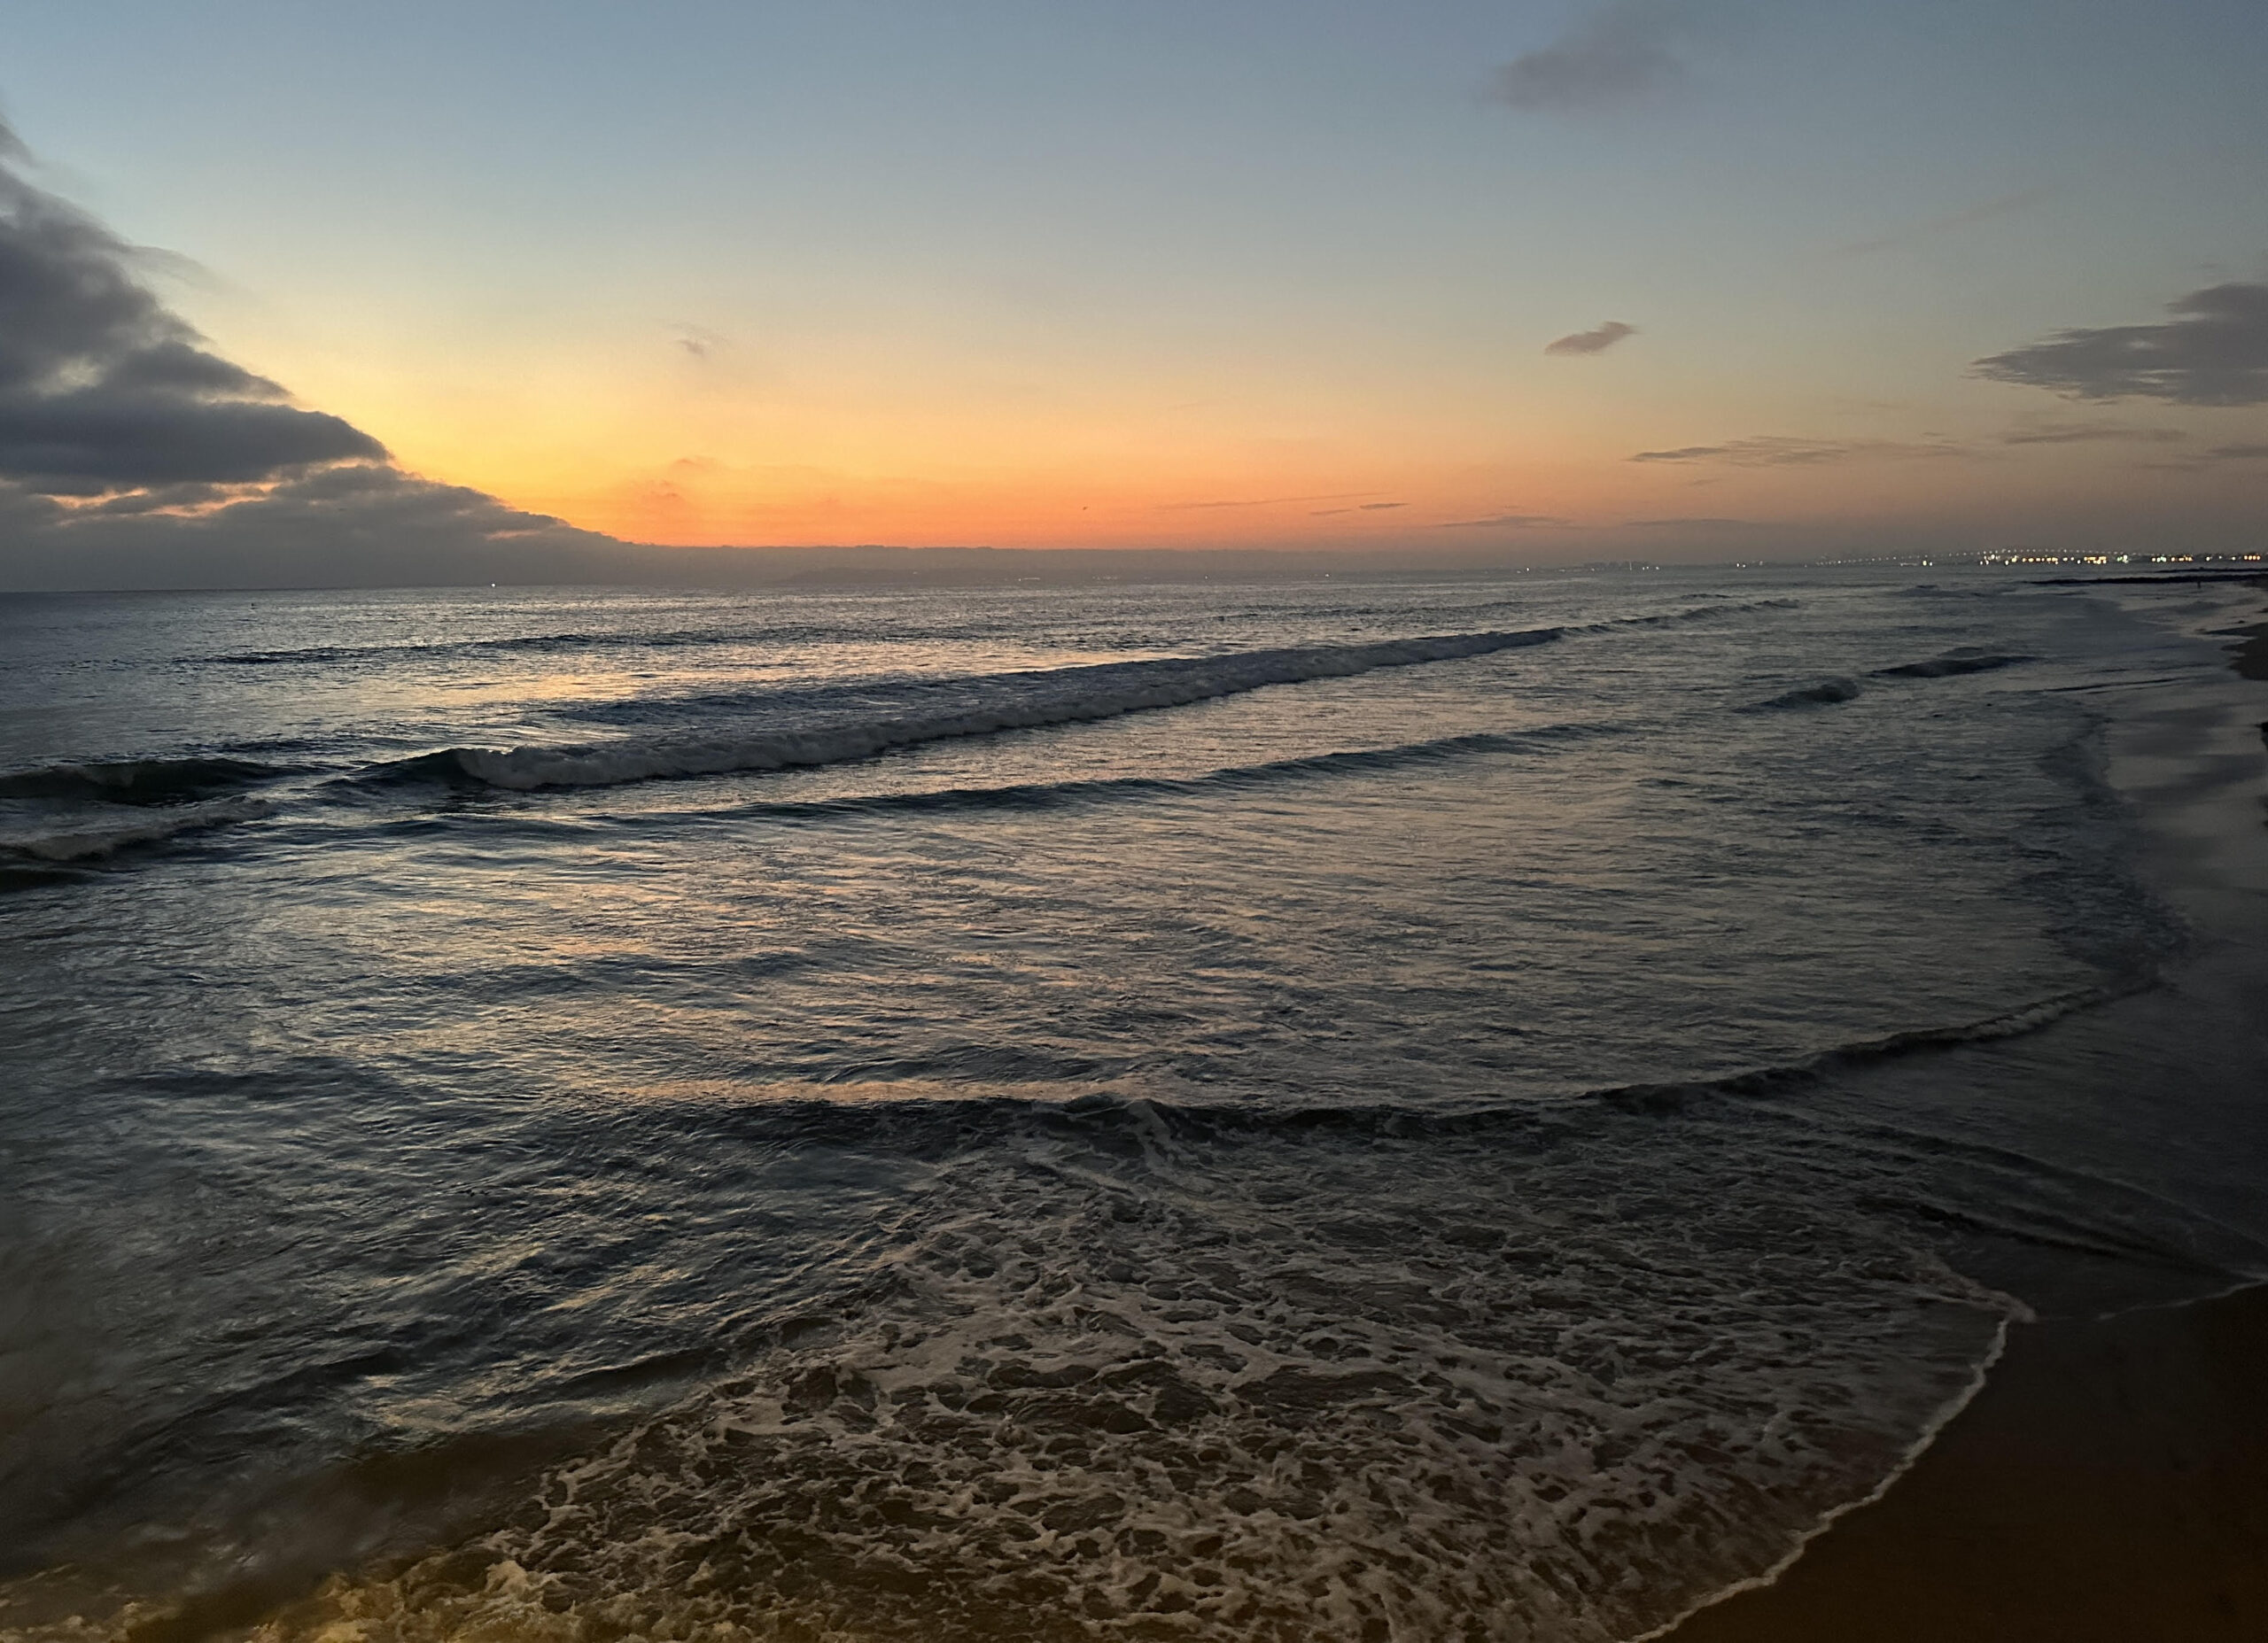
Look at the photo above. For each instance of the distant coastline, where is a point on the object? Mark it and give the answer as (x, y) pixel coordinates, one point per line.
(566, 558)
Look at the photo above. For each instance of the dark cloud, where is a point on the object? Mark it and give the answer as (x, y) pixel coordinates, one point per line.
(2213, 352)
(133, 456)
(352, 525)
(104, 390)
(1592, 342)
(2092, 433)
(1775, 450)
(1625, 50)
(1513, 522)
(2238, 453)
(1359, 507)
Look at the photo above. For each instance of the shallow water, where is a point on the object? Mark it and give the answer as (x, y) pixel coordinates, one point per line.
(1420, 1111)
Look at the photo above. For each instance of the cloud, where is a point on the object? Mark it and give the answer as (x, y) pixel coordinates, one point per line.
(1777, 451)
(1512, 522)
(700, 342)
(103, 389)
(1359, 507)
(1259, 502)
(350, 525)
(2092, 433)
(2213, 352)
(1623, 52)
(131, 455)
(1592, 342)
(1952, 221)
(1699, 521)
(2238, 453)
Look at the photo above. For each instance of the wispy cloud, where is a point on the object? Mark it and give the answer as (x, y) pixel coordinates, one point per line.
(1359, 508)
(1624, 51)
(1777, 451)
(1260, 502)
(2213, 352)
(1950, 222)
(700, 342)
(2239, 452)
(2092, 433)
(1592, 342)
(1512, 522)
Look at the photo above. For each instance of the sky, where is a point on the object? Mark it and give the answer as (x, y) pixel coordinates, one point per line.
(1537, 281)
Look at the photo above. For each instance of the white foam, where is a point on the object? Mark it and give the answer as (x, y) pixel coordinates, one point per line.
(1373, 1396)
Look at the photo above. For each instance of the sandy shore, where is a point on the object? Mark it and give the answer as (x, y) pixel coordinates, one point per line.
(2251, 659)
(2110, 1483)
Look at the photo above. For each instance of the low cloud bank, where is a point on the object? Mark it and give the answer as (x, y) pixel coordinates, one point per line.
(132, 455)
(104, 391)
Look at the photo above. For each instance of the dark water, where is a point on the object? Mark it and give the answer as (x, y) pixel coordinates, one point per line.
(1415, 1111)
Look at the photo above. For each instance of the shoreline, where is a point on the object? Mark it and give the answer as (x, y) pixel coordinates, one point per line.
(2107, 1477)
(2109, 1481)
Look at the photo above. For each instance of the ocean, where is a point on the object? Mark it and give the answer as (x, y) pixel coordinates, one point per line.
(1459, 1109)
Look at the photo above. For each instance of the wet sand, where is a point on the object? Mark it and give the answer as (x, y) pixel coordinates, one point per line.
(2252, 658)
(2110, 1483)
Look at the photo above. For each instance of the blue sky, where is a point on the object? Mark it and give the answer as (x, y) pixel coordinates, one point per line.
(1059, 274)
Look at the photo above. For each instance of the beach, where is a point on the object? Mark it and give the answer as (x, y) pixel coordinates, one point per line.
(2109, 1480)
(2110, 1483)
(1079, 823)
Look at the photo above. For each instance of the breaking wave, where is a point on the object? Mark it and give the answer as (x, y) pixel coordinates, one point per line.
(1107, 1398)
(969, 708)
(1136, 1369)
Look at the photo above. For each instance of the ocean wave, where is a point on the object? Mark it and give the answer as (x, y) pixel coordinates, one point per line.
(1691, 612)
(930, 1110)
(820, 633)
(974, 708)
(1948, 665)
(1048, 794)
(1824, 692)
(536, 643)
(139, 781)
(545, 644)
(1828, 690)
(82, 843)
(1676, 1098)
(1084, 1397)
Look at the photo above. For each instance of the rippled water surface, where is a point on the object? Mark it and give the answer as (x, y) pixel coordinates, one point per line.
(1340, 1110)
